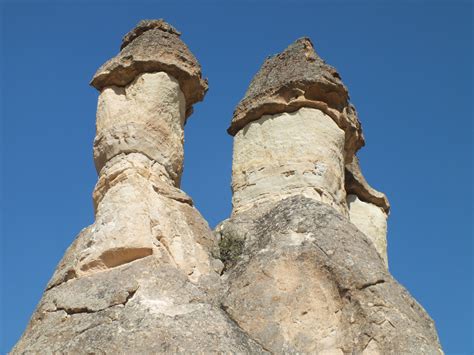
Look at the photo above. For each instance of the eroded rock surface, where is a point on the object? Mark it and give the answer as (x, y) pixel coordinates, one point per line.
(144, 278)
(154, 46)
(305, 247)
(275, 158)
(301, 278)
(300, 266)
(297, 78)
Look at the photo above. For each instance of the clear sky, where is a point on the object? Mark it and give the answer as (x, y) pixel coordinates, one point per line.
(408, 67)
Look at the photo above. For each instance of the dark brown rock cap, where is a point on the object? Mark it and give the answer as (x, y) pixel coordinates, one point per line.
(295, 78)
(356, 184)
(153, 46)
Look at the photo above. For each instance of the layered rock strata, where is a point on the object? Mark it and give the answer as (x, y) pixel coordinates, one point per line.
(143, 277)
(305, 247)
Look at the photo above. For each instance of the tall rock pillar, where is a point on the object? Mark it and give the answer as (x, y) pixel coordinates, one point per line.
(143, 277)
(305, 246)
(296, 133)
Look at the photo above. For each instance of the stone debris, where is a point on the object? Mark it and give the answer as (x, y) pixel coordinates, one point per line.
(299, 267)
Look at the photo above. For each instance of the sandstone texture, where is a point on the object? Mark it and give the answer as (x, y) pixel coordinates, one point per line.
(297, 78)
(300, 267)
(305, 248)
(154, 46)
(302, 279)
(368, 208)
(144, 278)
(275, 158)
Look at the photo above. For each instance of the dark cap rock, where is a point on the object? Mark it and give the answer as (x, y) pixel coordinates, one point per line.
(153, 46)
(297, 78)
(356, 184)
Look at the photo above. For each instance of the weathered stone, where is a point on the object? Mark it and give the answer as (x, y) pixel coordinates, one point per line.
(143, 278)
(307, 281)
(305, 263)
(370, 220)
(302, 264)
(297, 153)
(368, 208)
(297, 78)
(138, 308)
(154, 46)
(356, 184)
(146, 116)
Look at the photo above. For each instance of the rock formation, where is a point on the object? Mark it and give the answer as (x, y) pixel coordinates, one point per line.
(300, 277)
(299, 267)
(142, 278)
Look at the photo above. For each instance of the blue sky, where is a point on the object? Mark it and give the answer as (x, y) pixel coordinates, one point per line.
(408, 67)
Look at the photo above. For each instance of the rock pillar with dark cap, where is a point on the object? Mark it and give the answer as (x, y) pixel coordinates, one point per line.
(305, 246)
(142, 279)
(296, 133)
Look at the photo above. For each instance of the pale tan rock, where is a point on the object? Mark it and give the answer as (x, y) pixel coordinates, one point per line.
(356, 184)
(141, 307)
(301, 278)
(143, 278)
(295, 78)
(296, 275)
(146, 116)
(368, 208)
(297, 153)
(370, 220)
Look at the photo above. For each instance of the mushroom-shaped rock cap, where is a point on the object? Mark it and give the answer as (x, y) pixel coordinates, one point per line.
(297, 78)
(152, 46)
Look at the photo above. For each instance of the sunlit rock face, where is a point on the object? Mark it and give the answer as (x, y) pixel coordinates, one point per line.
(146, 116)
(300, 265)
(286, 154)
(305, 246)
(370, 220)
(144, 277)
(368, 208)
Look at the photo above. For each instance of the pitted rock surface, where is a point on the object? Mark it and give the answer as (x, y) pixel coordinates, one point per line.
(303, 279)
(154, 46)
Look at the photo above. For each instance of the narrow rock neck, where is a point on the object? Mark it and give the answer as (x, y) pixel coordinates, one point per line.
(146, 117)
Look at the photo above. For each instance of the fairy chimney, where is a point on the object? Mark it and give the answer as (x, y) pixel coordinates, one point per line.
(296, 133)
(143, 277)
(300, 265)
(305, 246)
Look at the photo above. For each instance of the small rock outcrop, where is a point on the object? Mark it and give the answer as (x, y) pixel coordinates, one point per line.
(305, 246)
(299, 267)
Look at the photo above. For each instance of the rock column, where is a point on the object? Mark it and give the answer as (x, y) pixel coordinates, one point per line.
(305, 247)
(142, 278)
(138, 153)
(294, 131)
(368, 208)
